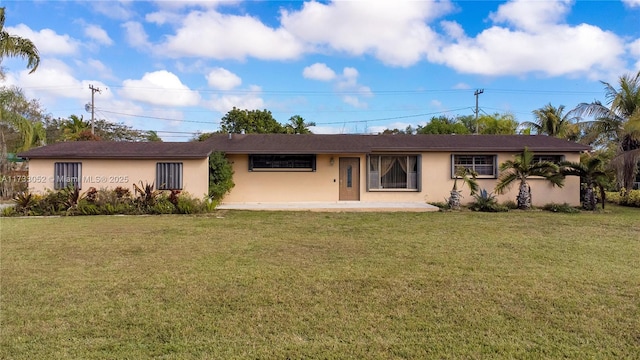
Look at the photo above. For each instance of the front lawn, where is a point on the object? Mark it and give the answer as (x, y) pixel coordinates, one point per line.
(276, 285)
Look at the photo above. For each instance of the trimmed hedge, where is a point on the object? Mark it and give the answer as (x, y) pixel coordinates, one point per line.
(631, 198)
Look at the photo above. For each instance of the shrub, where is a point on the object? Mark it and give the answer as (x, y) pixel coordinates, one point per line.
(220, 176)
(486, 202)
(8, 211)
(510, 204)
(561, 208)
(25, 202)
(160, 205)
(624, 198)
(440, 205)
(86, 207)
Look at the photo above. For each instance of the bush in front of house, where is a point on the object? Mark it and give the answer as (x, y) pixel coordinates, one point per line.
(486, 202)
(118, 201)
(624, 198)
(561, 208)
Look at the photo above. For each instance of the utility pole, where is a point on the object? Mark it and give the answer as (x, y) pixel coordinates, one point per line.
(93, 92)
(477, 93)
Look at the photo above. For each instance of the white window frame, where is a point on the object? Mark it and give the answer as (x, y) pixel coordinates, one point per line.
(476, 164)
(374, 181)
(556, 158)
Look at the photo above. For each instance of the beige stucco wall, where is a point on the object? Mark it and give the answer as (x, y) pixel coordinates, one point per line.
(322, 185)
(114, 173)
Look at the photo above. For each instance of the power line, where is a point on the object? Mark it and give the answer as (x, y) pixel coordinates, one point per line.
(323, 123)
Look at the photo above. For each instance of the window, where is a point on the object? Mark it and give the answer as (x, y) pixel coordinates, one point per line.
(67, 174)
(282, 162)
(556, 159)
(393, 172)
(169, 176)
(483, 165)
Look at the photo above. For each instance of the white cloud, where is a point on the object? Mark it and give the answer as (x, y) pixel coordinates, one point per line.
(393, 31)
(206, 4)
(318, 71)
(532, 15)
(160, 88)
(98, 34)
(113, 9)
(535, 40)
(219, 36)
(462, 86)
(223, 79)
(53, 80)
(634, 50)
(135, 35)
(351, 89)
(249, 100)
(354, 101)
(164, 17)
(632, 3)
(46, 40)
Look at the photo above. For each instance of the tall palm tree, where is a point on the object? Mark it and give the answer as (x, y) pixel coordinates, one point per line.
(553, 121)
(15, 46)
(523, 167)
(298, 125)
(593, 174)
(617, 125)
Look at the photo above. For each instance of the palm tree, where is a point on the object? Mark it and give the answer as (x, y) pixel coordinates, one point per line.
(31, 132)
(74, 127)
(523, 167)
(552, 121)
(152, 136)
(298, 125)
(593, 174)
(467, 176)
(15, 46)
(617, 125)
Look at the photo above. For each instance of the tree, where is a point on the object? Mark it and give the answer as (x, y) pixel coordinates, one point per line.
(15, 46)
(73, 127)
(553, 121)
(500, 124)
(467, 176)
(617, 125)
(409, 130)
(443, 125)
(152, 136)
(20, 120)
(220, 176)
(298, 125)
(250, 122)
(523, 167)
(593, 174)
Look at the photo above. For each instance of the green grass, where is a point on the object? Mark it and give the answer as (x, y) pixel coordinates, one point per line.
(276, 285)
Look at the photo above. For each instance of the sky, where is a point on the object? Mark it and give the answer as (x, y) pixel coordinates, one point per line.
(356, 66)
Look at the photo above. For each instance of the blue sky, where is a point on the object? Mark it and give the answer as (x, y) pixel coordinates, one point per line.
(350, 66)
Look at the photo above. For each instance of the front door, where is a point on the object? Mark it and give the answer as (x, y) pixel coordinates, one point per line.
(350, 178)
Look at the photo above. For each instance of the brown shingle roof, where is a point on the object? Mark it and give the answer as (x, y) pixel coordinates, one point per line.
(120, 150)
(328, 144)
(301, 144)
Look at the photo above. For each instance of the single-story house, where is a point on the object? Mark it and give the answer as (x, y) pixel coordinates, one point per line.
(277, 168)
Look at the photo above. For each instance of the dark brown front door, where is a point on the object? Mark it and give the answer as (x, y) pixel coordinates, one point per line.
(349, 179)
